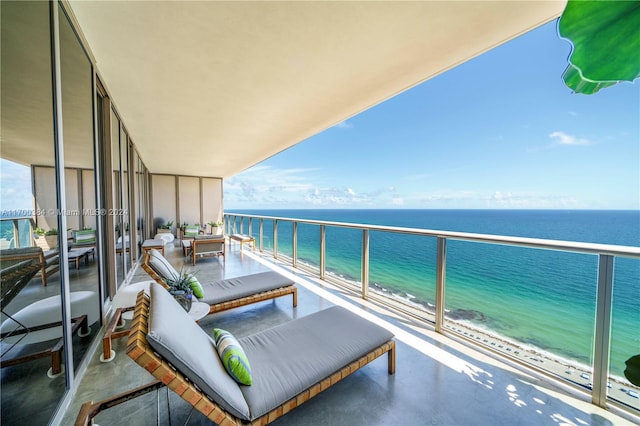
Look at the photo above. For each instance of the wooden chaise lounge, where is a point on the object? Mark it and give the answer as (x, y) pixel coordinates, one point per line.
(220, 295)
(229, 293)
(290, 363)
(48, 260)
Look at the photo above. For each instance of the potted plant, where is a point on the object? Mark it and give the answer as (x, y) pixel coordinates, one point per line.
(180, 288)
(165, 228)
(47, 240)
(216, 227)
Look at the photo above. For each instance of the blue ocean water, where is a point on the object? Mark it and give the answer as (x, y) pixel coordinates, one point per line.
(537, 297)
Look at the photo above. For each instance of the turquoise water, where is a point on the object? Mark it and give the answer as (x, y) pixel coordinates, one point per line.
(537, 297)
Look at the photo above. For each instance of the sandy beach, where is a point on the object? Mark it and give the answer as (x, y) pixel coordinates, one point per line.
(619, 388)
(567, 370)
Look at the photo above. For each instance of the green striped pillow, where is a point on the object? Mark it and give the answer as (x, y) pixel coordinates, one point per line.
(232, 356)
(196, 287)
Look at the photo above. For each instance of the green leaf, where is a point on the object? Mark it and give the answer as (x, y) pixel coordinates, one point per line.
(632, 372)
(606, 43)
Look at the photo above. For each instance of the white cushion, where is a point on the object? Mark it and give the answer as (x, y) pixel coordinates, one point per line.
(166, 237)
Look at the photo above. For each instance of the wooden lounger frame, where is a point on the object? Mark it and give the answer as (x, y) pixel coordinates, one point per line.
(117, 320)
(236, 303)
(49, 262)
(140, 351)
(79, 324)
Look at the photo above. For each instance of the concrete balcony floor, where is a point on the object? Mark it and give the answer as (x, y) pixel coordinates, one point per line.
(438, 380)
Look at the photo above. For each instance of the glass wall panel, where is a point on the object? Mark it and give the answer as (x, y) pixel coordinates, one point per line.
(103, 170)
(31, 389)
(124, 212)
(141, 201)
(117, 198)
(77, 120)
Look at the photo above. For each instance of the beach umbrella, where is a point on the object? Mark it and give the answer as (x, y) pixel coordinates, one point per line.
(605, 38)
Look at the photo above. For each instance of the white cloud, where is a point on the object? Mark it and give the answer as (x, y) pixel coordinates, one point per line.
(562, 138)
(15, 186)
(268, 187)
(461, 199)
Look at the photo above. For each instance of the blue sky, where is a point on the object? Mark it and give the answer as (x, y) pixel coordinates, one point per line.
(500, 131)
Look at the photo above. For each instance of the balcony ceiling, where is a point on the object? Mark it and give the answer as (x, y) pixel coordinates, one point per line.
(212, 88)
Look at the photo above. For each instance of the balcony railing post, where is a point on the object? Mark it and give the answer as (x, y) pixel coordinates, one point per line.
(365, 263)
(16, 234)
(294, 244)
(261, 232)
(275, 238)
(441, 268)
(323, 245)
(250, 226)
(603, 330)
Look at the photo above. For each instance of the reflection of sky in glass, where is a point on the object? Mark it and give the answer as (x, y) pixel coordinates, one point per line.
(15, 186)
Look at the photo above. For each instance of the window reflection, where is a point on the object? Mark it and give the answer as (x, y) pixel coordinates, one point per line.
(28, 140)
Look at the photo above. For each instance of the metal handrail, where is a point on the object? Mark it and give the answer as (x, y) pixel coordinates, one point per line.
(605, 252)
(572, 246)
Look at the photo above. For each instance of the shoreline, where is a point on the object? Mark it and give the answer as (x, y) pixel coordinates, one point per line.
(566, 369)
(572, 371)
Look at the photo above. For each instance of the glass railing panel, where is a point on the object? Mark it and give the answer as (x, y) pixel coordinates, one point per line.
(285, 229)
(402, 267)
(255, 231)
(242, 226)
(7, 236)
(535, 305)
(25, 233)
(309, 246)
(625, 330)
(344, 255)
(267, 235)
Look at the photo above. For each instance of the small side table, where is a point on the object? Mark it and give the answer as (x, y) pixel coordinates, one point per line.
(153, 244)
(199, 310)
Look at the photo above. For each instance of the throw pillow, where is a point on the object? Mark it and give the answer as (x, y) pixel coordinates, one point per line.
(232, 356)
(196, 287)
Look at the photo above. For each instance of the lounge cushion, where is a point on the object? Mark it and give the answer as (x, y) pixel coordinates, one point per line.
(180, 340)
(191, 231)
(287, 359)
(247, 285)
(161, 266)
(233, 357)
(165, 236)
(85, 236)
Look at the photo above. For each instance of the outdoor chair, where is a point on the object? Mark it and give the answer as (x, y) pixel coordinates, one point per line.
(207, 246)
(220, 295)
(286, 365)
